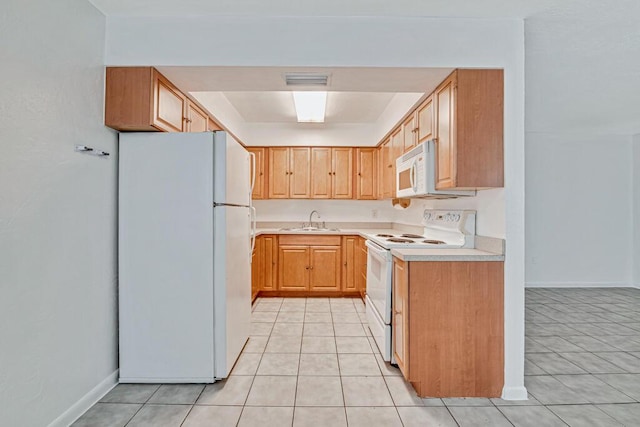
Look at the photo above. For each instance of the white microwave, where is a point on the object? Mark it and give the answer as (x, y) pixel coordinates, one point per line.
(416, 175)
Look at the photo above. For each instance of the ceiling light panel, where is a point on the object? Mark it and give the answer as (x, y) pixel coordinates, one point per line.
(310, 106)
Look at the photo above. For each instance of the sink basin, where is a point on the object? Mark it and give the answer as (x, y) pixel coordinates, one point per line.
(310, 229)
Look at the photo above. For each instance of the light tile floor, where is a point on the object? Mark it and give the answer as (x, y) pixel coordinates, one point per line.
(311, 362)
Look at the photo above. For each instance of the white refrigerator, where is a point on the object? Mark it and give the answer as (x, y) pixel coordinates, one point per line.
(184, 241)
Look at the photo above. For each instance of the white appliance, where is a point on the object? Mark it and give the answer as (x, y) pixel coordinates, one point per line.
(416, 175)
(442, 230)
(184, 240)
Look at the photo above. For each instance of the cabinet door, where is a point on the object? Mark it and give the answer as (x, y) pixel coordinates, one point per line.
(349, 264)
(400, 322)
(325, 268)
(388, 169)
(293, 268)
(300, 173)
(278, 172)
(409, 133)
(168, 105)
(342, 173)
(269, 263)
(259, 186)
(321, 173)
(366, 185)
(424, 117)
(445, 135)
(197, 119)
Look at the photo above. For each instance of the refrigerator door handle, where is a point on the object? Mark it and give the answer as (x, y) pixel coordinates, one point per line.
(254, 216)
(253, 173)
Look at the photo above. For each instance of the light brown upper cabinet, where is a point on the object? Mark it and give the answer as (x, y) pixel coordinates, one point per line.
(425, 120)
(469, 130)
(142, 99)
(366, 182)
(197, 120)
(331, 173)
(259, 188)
(289, 172)
(409, 130)
(387, 169)
(212, 125)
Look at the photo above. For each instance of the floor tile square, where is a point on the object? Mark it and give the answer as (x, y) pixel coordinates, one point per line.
(272, 391)
(366, 391)
(213, 416)
(349, 330)
(314, 317)
(626, 361)
(628, 414)
(160, 416)
(340, 317)
(261, 329)
(628, 384)
(467, 401)
(279, 364)
(479, 416)
(353, 345)
(531, 416)
(552, 363)
(318, 330)
(369, 417)
(108, 415)
(319, 364)
(318, 345)
(130, 393)
(319, 391)
(264, 316)
(287, 329)
(266, 416)
(426, 416)
(549, 391)
(283, 344)
(185, 394)
(290, 317)
(358, 365)
(316, 417)
(583, 415)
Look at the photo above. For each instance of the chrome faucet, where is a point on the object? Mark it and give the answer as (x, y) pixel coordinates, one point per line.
(311, 215)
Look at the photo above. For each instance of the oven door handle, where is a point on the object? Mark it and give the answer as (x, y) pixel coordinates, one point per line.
(377, 251)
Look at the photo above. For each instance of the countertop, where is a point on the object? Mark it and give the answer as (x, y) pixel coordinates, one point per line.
(408, 254)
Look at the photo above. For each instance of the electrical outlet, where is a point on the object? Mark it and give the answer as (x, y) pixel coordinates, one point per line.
(374, 213)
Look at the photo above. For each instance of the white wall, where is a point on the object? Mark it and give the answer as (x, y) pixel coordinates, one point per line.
(578, 204)
(57, 212)
(636, 210)
(330, 210)
(366, 42)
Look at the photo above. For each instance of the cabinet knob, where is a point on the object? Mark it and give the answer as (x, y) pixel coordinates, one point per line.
(329, 173)
(359, 174)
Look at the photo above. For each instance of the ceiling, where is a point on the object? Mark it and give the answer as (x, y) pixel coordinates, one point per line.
(260, 94)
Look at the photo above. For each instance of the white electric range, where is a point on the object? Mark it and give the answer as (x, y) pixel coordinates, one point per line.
(442, 230)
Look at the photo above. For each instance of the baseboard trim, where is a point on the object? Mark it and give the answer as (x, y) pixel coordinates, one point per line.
(514, 393)
(578, 285)
(87, 401)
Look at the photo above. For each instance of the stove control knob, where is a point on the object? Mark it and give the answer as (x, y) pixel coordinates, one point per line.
(457, 218)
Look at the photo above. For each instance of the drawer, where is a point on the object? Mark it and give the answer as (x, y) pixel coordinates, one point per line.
(304, 239)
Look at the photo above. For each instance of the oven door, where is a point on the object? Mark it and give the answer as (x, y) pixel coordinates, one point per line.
(379, 262)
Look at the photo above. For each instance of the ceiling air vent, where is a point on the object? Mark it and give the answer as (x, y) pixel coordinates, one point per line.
(306, 79)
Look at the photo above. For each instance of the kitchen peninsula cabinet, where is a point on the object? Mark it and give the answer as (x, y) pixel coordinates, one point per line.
(259, 188)
(289, 172)
(469, 130)
(366, 174)
(448, 326)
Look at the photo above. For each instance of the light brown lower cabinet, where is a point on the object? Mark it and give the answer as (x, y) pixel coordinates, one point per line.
(304, 265)
(448, 327)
